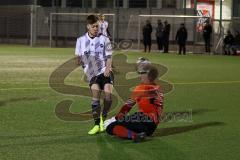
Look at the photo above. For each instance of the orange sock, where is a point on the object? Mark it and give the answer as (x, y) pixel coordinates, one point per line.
(123, 132)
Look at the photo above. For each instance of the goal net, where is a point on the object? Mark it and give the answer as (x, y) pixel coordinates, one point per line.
(64, 28)
(231, 25)
(194, 25)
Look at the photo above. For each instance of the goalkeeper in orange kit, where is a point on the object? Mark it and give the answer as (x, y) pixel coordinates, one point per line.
(149, 98)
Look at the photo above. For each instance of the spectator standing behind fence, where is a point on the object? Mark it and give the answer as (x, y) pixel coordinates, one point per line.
(181, 38)
(159, 35)
(166, 31)
(237, 38)
(207, 32)
(236, 45)
(147, 39)
(228, 43)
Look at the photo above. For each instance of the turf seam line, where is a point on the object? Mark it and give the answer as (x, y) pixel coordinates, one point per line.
(174, 83)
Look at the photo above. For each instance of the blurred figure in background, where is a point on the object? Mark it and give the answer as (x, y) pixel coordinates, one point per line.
(181, 38)
(228, 43)
(103, 26)
(167, 28)
(207, 32)
(147, 39)
(159, 35)
(237, 38)
(236, 45)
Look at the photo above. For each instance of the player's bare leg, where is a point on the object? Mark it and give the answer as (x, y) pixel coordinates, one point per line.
(107, 103)
(96, 109)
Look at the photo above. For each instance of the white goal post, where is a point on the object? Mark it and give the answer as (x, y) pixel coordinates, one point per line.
(184, 17)
(77, 14)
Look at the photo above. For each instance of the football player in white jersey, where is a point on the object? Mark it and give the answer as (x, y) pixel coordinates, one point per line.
(103, 26)
(94, 54)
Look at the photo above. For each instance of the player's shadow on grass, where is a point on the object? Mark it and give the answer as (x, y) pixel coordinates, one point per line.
(12, 100)
(195, 111)
(160, 132)
(50, 139)
(183, 116)
(110, 147)
(41, 135)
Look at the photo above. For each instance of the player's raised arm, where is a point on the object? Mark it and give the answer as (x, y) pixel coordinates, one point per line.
(158, 102)
(125, 108)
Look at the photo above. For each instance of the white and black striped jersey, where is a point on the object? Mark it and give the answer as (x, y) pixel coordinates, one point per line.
(94, 53)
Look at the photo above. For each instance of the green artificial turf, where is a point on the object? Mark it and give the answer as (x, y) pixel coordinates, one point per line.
(203, 108)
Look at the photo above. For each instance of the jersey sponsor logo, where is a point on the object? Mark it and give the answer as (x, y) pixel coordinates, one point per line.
(87, 53)
(97, 45)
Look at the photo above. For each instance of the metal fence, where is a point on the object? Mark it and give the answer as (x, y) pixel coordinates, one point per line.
(31, 24)
(15, 24)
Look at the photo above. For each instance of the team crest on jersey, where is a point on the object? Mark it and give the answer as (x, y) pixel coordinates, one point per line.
(101, 45)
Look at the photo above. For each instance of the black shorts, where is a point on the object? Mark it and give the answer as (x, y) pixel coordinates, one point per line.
(101, 80)
(137, 122)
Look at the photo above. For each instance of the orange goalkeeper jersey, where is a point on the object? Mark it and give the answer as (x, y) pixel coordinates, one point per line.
(149, 99)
